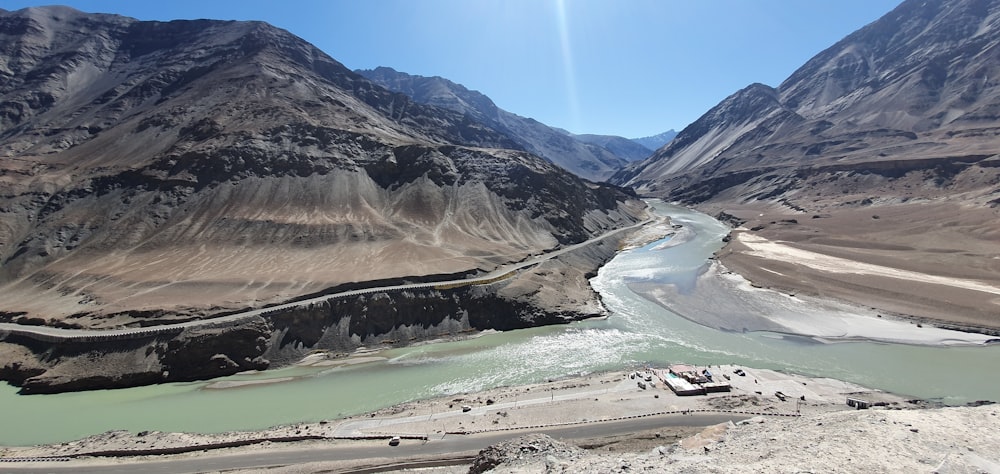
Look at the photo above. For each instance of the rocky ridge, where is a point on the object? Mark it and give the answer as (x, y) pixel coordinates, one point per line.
(623, 147)
(593, 157)
(655, 142)
(910, 95)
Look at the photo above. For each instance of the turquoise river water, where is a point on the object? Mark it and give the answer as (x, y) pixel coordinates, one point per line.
(637, 333)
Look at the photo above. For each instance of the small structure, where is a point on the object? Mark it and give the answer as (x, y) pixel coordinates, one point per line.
(689, 373)
(719, 386)
(682, 387)
(688, 380)
(858, 403)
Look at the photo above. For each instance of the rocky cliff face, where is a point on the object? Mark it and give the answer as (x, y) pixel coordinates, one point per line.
(168, 171)
(593, 157)
(337, 325)
(912, 95)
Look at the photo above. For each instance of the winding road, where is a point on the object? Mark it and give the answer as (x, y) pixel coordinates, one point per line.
(52, 334)
(458, 448)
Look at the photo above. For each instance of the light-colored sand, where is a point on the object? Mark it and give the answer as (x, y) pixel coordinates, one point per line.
(737, 305)
(656, 230)
(764, 248)
(935, 262)
(322, 360)
(833, 320)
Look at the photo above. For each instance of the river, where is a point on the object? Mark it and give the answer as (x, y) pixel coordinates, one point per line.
(637, 333)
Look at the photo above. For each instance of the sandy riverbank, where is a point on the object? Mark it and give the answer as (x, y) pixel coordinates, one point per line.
(934, 263)
(848, 275)
(738, 305)
(658, 229)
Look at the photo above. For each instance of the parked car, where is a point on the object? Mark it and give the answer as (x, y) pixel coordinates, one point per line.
(394, 441)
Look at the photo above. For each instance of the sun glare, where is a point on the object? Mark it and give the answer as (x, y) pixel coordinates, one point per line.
(567, 61)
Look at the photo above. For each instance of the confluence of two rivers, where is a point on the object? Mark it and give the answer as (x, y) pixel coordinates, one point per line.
(638, 333)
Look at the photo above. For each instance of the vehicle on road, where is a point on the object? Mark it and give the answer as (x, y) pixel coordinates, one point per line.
(394, 441)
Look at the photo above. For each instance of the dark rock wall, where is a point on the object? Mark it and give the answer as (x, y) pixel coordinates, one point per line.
(338, 325)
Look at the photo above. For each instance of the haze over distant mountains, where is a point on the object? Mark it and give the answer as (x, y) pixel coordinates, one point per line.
(593, 157)
(654, 142)
(191, 166)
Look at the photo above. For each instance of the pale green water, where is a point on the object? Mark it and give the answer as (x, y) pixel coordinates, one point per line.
(639, 332)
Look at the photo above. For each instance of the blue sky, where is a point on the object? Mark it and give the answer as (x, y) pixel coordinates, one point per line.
(622, 67)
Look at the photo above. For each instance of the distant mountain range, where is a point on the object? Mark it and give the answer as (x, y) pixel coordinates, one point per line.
(654, 142)
(623, 147)
(915, 93)
(594, 157)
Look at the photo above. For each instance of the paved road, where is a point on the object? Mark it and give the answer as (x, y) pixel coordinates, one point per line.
(450, 445)
(58, 333)
(349, 428)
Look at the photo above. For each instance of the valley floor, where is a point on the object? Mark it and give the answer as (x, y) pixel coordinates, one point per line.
(937, 263)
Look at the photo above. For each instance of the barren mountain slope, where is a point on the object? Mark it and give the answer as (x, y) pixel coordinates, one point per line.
(591, 157)
(913, 91)
(191, 166)
(630, 150)
(657, 141)
(899, 119)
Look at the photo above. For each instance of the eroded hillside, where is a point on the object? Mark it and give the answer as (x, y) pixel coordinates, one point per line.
(184, 168)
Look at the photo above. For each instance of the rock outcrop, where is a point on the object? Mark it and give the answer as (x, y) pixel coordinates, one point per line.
(337, 325)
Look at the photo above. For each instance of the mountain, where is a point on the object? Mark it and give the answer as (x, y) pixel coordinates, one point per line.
(623, 147)
(583, 158)
(914, 92)
(880, 154)
(152, 171)
(655, 142)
